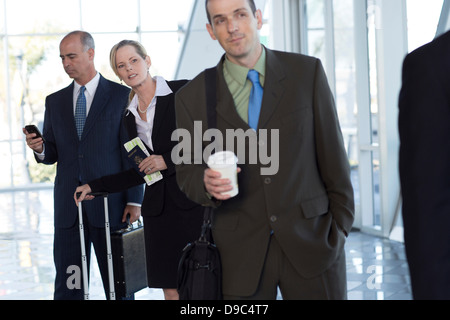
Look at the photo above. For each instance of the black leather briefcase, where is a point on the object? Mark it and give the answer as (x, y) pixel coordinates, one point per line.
(200, 268)
(128, 250)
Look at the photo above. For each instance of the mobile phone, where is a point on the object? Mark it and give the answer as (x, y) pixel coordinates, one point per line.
(33, 129)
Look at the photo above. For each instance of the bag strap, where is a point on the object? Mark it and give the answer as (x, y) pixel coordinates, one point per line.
(206, 227)
(211, 101)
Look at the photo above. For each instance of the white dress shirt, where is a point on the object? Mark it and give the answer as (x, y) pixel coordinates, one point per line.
(91, 88)
(145, 128)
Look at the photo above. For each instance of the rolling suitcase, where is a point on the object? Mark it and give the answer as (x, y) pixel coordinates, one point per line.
(127, 272)
(84, 267)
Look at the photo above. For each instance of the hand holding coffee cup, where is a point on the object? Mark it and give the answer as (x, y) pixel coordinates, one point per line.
(221, 179)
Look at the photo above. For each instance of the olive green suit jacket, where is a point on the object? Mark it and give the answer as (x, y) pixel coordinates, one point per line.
(307, 205)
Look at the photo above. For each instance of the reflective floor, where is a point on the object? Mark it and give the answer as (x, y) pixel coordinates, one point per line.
(376, 268)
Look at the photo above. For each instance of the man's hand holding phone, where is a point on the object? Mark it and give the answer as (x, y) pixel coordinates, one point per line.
(34, 138)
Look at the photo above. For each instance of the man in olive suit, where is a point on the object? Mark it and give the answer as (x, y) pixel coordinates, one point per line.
(286, 229)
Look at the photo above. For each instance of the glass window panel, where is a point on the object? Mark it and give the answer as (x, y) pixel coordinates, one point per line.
(373, 25)
(316, 30)
(19, 164)
(315, 12)
(346, 83)
(163, 49)
(423, 19)
(35, 71)
(2, 17)
(265, 30)
(316, 45)
(38, 172)
(344, 62)
(110, 15)
(157, 15)
(5, 164)
(4, 118)
(53, 16)
(376, 188)
(373, 65)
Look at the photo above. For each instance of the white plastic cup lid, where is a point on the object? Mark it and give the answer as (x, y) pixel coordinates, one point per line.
(222, 159)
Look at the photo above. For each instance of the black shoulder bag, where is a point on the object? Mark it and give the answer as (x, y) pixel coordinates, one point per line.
(200, 268)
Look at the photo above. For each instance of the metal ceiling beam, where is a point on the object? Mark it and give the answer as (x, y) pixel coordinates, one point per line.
(444, 21)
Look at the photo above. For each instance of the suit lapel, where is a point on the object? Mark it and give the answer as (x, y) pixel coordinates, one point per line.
(273, 92)
(225, 104)
(273, 88)
(130, 124)
(98, 104)
(161, 108)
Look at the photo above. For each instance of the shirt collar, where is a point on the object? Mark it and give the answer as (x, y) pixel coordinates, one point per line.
(91, 86)
(239, 73)
(162, 89)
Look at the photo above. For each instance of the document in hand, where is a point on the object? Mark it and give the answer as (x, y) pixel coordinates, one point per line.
(137, 152)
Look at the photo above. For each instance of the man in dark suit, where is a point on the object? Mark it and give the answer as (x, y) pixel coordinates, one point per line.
(286, 229)
(82, 154)
(424, 127)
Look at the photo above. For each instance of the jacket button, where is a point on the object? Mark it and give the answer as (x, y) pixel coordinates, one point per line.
(273, 218)
(267, 181)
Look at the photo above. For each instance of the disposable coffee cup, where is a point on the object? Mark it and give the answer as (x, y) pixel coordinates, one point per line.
(225, 162)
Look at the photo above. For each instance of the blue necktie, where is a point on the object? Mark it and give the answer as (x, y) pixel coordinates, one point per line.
(80, 112)
(254, 103)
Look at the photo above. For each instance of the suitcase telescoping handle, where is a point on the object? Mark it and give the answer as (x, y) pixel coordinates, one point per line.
(84, 267)
(112, 294)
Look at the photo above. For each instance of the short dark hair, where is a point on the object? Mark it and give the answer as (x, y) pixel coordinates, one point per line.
(250, 2)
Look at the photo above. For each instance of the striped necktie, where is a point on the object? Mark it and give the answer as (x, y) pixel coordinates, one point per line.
(80, 112)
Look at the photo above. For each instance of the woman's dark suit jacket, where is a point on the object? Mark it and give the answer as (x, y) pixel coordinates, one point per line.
(164, 125)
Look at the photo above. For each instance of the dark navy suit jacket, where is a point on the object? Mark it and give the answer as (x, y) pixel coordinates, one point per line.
(99, 152)
(424, 128)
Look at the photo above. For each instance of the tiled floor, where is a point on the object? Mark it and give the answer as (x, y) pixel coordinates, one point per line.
(376, 268)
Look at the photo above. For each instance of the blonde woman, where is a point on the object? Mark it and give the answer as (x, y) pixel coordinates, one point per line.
(171, 220)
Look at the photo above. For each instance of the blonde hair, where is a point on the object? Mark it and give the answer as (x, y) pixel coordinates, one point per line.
(112, 56)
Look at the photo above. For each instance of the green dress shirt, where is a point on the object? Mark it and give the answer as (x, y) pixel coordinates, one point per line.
(238, 84)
